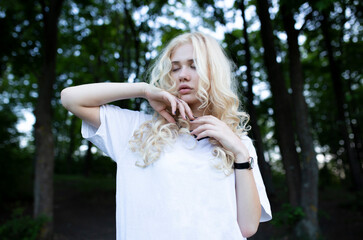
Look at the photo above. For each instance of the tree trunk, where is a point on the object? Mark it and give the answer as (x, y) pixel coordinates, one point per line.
(44, 166)
(308, 226)
(136, 39)
(353, 106)
(354, 113)
(69, 156)
(256, 133)
(88, 160)
(282, 108)
(354, 166)
(96, 71)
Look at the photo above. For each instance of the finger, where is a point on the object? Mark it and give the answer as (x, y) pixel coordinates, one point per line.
(181, 109)
(173, 103)
(193, 125)
(167, 116)
(206, 133)
(208, 119)
(187, 109)
(211, 120)
(203, 128)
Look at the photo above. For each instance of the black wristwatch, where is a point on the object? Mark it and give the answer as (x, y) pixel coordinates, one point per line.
(246, 165)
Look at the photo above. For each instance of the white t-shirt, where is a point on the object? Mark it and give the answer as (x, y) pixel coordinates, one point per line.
(181, 196)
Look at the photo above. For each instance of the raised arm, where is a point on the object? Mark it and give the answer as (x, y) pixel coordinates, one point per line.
(247, 198)
(84, 100)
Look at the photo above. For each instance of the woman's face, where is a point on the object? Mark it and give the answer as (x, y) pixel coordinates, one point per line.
(184, 73)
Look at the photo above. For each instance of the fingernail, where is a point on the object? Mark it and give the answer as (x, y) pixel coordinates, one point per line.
(174, 112)
(195, 136)
(202, 138)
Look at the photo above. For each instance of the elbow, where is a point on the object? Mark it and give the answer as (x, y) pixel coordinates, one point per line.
(65, 98)
(249, 224)
(249, 230)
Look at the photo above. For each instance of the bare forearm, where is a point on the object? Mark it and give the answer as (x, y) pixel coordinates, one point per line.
(248, 202)
(96, 94)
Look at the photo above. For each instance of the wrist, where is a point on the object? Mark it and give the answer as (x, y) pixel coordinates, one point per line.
(145, 88)
(245, 165)
(241, 157)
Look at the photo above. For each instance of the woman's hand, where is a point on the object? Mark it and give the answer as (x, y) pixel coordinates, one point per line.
(210, 126)
(167, 104)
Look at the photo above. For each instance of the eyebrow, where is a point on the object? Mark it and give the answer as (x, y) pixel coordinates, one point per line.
(178, 62)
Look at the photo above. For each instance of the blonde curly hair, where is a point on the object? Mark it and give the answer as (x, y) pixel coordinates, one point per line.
(217, 93)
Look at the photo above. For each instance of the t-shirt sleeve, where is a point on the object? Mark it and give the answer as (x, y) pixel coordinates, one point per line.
(265, 203)
(116, 129)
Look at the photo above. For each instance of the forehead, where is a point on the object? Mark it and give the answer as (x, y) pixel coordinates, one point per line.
(183, 52)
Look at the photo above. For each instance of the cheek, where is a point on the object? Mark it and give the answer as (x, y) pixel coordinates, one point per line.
(172, 75)
(196, 77)
(197, 81)
(174, 83)
(173, 78)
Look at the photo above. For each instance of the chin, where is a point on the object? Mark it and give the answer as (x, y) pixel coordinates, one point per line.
(189, 100)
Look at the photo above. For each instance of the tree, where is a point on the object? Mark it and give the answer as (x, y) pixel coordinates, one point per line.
(44, 166)
(308, 226)
(264, 166)
(282, 108)
(338, 87)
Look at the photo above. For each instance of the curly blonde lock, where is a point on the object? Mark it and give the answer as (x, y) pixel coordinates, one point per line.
(217, 94)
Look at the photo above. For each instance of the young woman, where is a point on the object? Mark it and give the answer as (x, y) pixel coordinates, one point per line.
(189, 171)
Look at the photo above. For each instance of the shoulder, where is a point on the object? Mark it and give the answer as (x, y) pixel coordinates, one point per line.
(248, 142)
(246, 139)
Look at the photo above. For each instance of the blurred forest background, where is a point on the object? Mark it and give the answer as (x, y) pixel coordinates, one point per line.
(299, 66)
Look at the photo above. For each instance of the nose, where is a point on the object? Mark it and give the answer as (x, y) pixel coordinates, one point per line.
(184, 74)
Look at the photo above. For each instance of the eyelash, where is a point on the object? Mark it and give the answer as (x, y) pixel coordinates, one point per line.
(176, 69)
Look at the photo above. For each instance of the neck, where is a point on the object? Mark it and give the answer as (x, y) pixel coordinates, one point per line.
(200, 112)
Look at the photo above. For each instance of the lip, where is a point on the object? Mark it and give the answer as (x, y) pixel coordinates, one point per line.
(184, 89)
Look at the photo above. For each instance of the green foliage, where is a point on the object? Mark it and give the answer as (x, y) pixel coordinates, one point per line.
(321, 97)
(21, 227)
(15, 163)
(288, 216)
(102, 41)
(101, 166)
(327, 177)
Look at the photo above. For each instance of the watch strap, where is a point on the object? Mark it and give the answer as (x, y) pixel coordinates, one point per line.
(245, 165)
